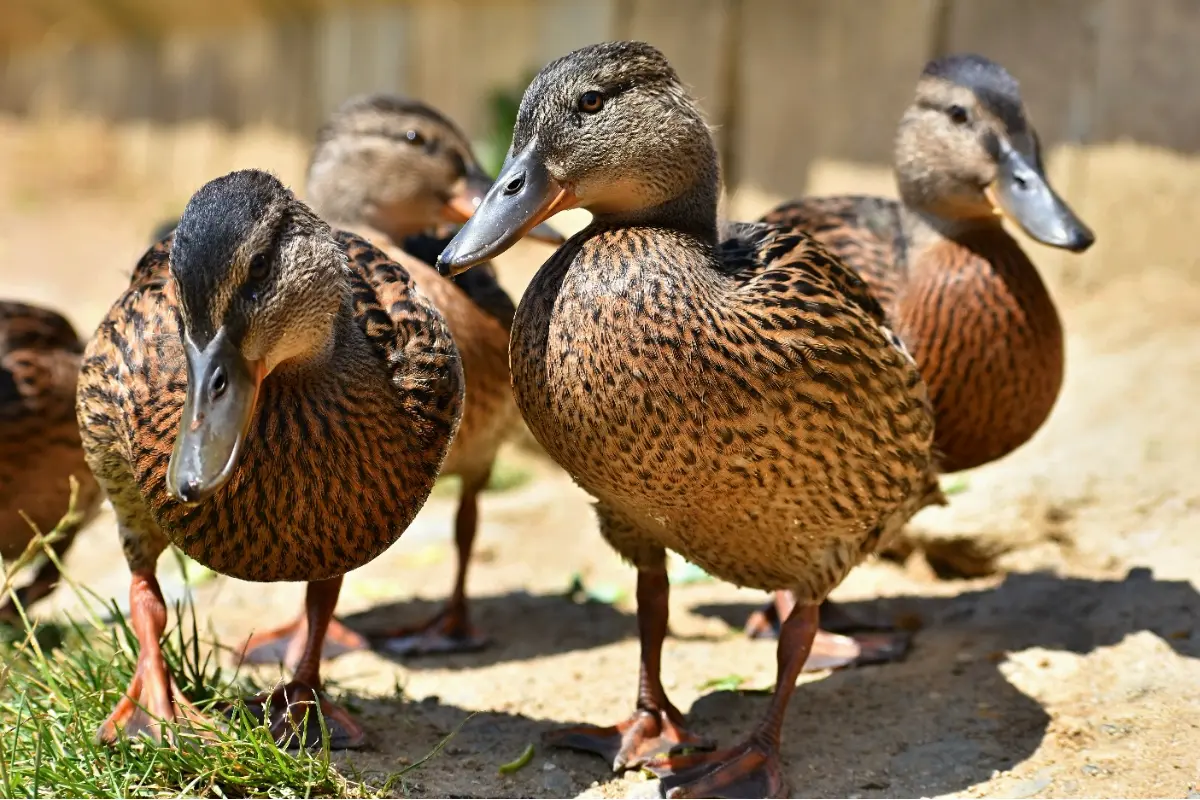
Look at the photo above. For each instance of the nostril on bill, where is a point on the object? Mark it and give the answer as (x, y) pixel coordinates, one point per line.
(515, 185)
(218, 384)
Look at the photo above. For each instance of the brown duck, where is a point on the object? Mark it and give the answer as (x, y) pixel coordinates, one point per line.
(39, 440)
(275, 399)
(956, 287)
(739, 403)
(394, 169)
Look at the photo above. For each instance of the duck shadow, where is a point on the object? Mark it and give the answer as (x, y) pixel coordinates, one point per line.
(520, 627)
(428, 748)
(946, 717)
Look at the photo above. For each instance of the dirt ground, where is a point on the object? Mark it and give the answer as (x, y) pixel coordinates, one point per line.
(1070, 667)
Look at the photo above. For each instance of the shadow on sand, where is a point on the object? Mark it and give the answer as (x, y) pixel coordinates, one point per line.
(946, 718)
(939, 722)
(521, 627)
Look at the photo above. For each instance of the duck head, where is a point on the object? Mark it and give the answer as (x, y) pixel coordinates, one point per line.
(609, 128)
(398, 165)
(966, 152)
(260, 281)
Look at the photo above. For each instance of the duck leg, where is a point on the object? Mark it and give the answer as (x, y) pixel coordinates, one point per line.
(290, 711)
(448, 631)
(285, 645)
(831, 648)
(152, 698)
(656, 727)
(750, 769)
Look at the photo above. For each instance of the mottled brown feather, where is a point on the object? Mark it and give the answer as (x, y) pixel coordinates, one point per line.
(972, 309)
(386, 166)
(745, 408)
(39, 439)
(338, 459)
(489, 413)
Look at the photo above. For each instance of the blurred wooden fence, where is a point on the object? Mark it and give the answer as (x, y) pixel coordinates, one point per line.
(796, 88)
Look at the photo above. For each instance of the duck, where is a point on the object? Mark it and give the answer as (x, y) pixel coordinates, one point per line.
(396, 170)
(957, 288)
(275, 398)
(727, 392)
(40, 448)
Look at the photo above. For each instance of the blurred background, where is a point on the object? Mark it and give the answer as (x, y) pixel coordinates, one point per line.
(141, 101)
(112, 112)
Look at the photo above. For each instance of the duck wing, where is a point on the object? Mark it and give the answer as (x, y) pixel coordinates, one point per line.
(864, 232)
(411, 334)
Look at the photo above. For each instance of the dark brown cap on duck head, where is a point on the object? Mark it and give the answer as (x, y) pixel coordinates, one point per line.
(966, 151)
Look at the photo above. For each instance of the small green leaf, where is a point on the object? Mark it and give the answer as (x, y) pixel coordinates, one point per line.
(507, 476)
(726, 683)
(607, 593)
(955, 484)
(194, 572)
(575, 586)
(521, 761)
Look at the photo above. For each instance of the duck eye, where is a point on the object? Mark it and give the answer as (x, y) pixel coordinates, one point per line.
(958, 115)
(591, 102)
(259, 269)
(415, 138)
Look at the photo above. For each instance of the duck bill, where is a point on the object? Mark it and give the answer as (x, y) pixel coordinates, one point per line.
(1023, 194)
(521, 199)
(221, 397)
(462, 206)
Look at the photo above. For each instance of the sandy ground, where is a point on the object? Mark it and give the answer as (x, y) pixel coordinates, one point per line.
(1067, 669)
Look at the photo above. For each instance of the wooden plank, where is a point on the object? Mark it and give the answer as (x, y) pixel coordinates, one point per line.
(566, 25)
(821, 78)
(361, 50)
(1148, 70)
(460, 52)
(297, 106)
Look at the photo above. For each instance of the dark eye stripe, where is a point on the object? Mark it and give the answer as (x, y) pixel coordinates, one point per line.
(991, 143)
(253, 282)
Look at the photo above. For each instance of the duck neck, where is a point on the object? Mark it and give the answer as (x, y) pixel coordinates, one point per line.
(341, 343)
(692, 211)
(338, 198)
(921, 226)
(390, 227)
(981, 258)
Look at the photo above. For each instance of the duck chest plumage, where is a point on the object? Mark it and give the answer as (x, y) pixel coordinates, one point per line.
(337, 460)
(741, 412)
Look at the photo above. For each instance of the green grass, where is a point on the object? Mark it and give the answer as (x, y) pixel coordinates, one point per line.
(725, 683)
(52, 702)
(58, 682)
